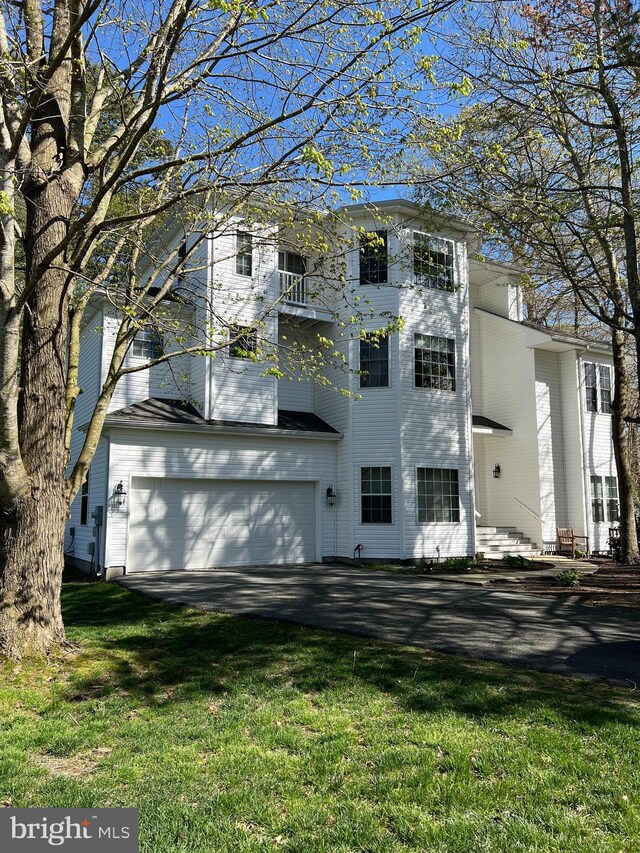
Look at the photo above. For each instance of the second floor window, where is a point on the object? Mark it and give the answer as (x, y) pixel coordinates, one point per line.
(147, 344)
(374, 362)
(244, 253)
(435, 362)
(244, 342)
(597, 385)
(432, 262)
(373, 257)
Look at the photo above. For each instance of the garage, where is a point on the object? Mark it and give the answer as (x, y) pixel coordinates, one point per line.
(198, 524)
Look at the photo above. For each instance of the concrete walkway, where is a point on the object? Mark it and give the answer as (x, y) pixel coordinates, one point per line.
(548, 634)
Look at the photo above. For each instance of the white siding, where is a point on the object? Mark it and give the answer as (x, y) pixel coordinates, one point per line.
(436, 428)
(186, 455)
(509, 398)
(295, 388)
(240, 391)
(598, 451)
(553, 494)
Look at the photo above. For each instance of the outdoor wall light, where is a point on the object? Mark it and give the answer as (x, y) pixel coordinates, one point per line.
(119, 494)
(331, 496)
(496, 471)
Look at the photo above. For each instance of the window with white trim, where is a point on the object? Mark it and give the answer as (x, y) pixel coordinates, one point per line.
(373, 258)
(244, 253)
(597, 387)
(613, 503)
(597, 499)
(434, 362)
(375, 495)
(147, 344)
(374, 361)
(433, 262)
(438, 495)
(243, 342)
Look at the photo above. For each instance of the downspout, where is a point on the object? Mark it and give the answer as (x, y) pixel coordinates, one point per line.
(586, 484)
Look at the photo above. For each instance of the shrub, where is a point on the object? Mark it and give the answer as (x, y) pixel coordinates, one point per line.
(459, 563)
(569, 577)
(515, 561)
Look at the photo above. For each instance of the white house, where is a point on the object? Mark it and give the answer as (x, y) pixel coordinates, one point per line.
(464, 430)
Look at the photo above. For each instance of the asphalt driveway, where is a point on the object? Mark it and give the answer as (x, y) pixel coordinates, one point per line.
(549, 634)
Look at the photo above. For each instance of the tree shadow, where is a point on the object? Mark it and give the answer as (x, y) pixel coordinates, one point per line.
(158, 652)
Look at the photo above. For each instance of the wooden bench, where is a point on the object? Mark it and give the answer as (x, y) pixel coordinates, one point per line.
(566, 541)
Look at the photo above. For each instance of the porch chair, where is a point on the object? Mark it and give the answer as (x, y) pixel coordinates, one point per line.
(566, 541)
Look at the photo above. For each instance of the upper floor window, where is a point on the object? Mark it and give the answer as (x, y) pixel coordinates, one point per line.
(373, 257)
(147, 344)
(244, 253)
(597, 384)
(432, 262)
(435, 362)
(292, 269)
(374, 362)
(438, 494)
(243, 343)
(375, 495)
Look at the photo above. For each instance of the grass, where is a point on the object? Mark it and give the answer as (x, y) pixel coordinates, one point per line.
(242, 735)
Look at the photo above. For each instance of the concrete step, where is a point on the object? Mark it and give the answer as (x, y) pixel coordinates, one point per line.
(481, 530)
(522, 550)
(497, 538)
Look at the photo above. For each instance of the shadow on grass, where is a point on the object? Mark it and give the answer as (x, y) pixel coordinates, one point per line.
(151, 649)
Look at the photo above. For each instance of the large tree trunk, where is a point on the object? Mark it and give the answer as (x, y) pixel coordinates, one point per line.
(32, 531)
(628, 535)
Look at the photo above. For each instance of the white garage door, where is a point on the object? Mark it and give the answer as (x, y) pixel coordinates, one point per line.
(196, 524)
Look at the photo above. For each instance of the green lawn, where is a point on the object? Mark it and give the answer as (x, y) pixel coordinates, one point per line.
(242, 735)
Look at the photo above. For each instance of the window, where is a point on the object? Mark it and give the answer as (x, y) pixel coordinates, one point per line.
(374, 362)
(597, 384)
(244, 253)
(597, 501)
(375, 495)
(604, 372)
(613, 507)
(435, 363)
(290, 262)
(84, 501)
(432, 262)
(438, 494)
(373, 257)
(244, 342)
(147, 344)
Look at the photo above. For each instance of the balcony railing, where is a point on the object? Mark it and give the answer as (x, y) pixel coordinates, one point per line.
(293, 288)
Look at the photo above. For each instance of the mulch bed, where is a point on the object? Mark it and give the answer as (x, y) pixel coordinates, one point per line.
(612, 585)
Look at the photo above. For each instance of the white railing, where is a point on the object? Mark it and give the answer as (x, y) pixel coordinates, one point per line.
(293, 287)
(528, 509)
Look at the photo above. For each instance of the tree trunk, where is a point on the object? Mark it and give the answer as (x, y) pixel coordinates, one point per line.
(628, 535)
(32, 544)
(32, 532)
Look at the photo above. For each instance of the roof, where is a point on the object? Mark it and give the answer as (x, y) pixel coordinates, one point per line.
(161, 413)
(412, 207)
(556, 338)
(487, 423)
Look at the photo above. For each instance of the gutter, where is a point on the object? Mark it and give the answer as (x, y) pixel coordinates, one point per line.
(224, 430)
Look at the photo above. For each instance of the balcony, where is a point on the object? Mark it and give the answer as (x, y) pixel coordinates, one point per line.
(296, 297)
(293, 288)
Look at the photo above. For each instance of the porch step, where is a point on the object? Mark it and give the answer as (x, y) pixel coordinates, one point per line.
(498, 541)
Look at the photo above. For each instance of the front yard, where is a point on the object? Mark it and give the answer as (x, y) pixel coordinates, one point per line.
(239, 735)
